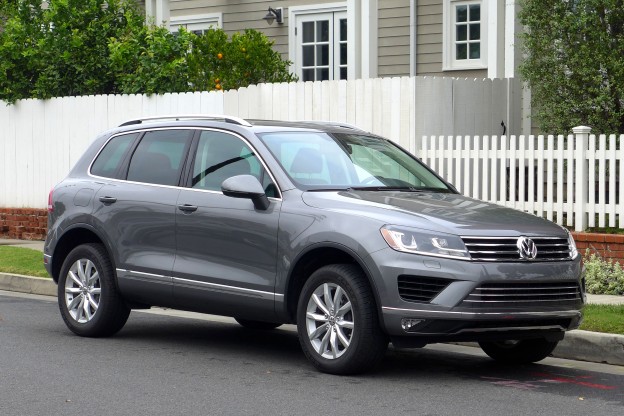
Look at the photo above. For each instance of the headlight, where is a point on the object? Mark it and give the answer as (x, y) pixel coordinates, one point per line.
(572, 245)
(409, 240)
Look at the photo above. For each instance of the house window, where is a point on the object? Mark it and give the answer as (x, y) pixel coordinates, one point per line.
(197, 24)
(320, 43)
(465, 35)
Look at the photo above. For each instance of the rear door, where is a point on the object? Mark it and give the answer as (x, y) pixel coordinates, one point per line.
(226, 249)
(137, 212)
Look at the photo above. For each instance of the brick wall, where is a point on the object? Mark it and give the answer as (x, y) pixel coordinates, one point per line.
(607, 246)
(30, 224)
(23, 223)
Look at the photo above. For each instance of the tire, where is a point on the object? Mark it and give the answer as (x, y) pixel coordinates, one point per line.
(519, 352)
(88, 298)
(260, 325)
(347, 340)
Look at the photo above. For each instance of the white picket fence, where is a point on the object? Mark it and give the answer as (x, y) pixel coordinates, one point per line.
(574, 180)
(41, 140)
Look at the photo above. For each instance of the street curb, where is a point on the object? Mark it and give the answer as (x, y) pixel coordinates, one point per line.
(577, 345)
(588, 346)
(27, 284)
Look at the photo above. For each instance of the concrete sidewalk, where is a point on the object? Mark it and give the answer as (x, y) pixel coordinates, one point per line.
(577, 345)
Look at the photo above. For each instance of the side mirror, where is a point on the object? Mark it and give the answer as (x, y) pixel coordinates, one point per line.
(246, 186)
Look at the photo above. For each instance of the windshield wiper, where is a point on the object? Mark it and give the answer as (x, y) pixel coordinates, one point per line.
(399, 188)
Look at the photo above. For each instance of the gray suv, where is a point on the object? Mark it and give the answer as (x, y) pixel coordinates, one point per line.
(322, 225)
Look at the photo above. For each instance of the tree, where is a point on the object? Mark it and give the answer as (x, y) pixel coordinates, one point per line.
(85, 47)
(575, 63)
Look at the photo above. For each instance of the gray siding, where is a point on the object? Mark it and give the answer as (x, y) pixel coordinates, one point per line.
(394, 38)
(429, 42)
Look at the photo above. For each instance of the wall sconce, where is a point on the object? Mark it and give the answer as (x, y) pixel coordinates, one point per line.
(275, 14)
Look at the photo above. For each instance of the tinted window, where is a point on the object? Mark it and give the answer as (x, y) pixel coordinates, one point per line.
(220, 156)
(159, 157)
(110, 158)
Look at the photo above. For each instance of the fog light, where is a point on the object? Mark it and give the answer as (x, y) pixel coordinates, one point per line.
(408, 323)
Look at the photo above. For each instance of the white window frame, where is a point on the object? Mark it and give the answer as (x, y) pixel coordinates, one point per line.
(196, 22)
(294, 15)
(449, 63)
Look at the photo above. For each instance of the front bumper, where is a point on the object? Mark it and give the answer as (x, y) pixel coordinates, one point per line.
(448, 317)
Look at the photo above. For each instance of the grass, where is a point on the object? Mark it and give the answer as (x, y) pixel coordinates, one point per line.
(597, 318)
(603, 318)
(18, 260)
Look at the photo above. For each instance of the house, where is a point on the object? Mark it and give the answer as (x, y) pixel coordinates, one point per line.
(349, 39)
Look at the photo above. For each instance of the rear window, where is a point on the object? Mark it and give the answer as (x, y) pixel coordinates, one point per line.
(158, 159)
(111, 157)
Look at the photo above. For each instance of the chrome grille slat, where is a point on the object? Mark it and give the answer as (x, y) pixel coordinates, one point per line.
(493, 249)
(518, 293)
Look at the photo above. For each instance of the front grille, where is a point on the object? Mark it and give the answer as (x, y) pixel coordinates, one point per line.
(420, 289)
(506, 248)
(493, 295)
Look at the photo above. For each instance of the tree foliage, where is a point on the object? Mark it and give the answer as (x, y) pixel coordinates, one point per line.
(85, 47)
(575, 63)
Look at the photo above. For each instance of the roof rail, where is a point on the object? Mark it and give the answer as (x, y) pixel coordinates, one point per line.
(227, 119)
(334, 123)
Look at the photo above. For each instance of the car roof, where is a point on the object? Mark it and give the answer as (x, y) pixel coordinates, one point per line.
(257, 126)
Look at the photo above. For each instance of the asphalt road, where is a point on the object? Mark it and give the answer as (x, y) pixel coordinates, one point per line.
(162, 364)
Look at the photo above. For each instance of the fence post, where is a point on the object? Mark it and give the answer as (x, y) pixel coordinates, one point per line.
(581, 134)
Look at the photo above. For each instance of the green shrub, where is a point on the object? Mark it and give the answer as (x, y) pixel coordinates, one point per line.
(603, 277)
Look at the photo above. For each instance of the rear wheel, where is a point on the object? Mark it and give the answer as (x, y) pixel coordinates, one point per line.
(519, 351)
(257, 324)
(87, 295)
(337, 321)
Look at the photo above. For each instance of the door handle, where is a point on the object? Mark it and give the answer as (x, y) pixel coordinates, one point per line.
(187, 208)
(108, 199)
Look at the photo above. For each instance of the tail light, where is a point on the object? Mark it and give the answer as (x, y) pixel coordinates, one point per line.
(50, 203)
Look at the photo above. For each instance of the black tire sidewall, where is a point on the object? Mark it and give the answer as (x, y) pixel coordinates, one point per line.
(366, 328)
(100, 320)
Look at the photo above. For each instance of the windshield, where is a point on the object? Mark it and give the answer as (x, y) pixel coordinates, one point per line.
(322, 161)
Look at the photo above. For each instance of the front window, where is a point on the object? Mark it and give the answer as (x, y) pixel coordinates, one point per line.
(318, 161)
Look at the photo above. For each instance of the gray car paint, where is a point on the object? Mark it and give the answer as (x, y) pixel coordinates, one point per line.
(301, 221)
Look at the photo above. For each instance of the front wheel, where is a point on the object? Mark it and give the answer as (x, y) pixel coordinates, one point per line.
(88, 298)
(337, 321)
(519, 351)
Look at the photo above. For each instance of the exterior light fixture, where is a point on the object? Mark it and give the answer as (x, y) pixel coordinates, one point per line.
(275, 14)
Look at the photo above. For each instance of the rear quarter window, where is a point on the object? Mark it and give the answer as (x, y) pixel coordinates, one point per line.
(110, 158)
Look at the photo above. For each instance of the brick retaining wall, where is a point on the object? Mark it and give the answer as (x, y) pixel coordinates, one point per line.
(30, 224)
(23, 223)
(607, 246)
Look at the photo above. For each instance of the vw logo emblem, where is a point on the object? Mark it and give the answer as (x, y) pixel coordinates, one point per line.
(527, 248)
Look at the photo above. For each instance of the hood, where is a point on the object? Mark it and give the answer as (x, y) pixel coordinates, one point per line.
(450, 213)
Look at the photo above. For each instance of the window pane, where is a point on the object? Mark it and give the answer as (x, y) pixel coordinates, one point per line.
(322, 55)
(461, 51)
(343, 54)
(308, 55)
(462, 13)
(219, 157)
(109, 159)
(158, 158)
(343, 29)
(475, 31)
(322, 74)
(462, 32)
(322, 31)
(308, 75)
(308, 32)
(343, 73)
(475, 50)
(475, 12)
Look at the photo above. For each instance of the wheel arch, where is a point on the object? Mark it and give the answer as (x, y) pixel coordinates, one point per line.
(77, 235)
(312, 259)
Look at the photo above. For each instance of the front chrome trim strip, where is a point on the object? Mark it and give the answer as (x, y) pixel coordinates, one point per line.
(470, 314)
